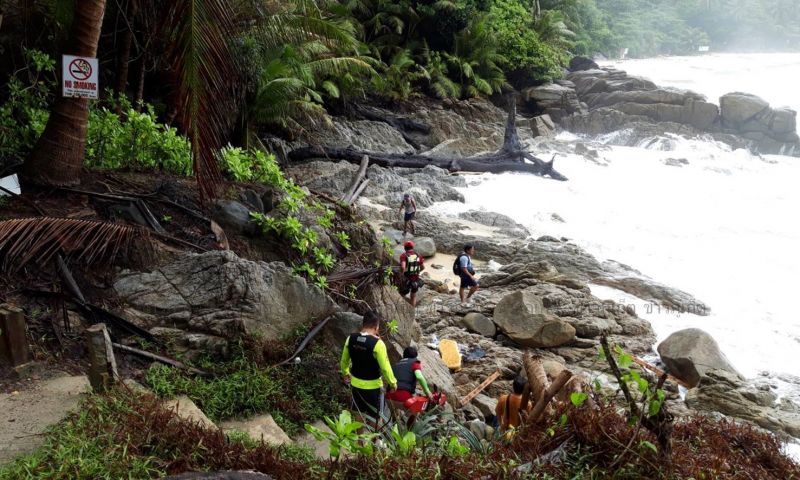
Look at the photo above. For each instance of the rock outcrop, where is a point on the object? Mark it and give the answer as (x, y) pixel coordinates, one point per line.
(690, 353)
(725, 392)
(216, 296)
(604, 100)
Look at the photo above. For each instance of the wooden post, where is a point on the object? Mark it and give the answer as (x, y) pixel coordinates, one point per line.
(537, 378)
(551, 391)
(103, 369)
(474, 393)
(13, 337)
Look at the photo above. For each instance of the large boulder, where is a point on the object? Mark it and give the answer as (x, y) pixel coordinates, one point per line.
(388, 303)
(339, 327)
(738, 107)
(690, 353)
(425, 246)
(522, 316)
(582, 63)
(364, 135)
(220, 294)
(437, 373)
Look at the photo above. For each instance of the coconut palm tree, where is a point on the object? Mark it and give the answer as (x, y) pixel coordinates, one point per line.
(57, 157)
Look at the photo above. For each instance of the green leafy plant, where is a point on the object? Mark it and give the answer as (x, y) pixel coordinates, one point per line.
(344, 435)
(404, 443)
(344, 240)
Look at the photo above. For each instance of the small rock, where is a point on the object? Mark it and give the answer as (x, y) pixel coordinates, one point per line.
(436, 266)
(185, 409)
(252, 199)
(690, 353)
(233, 217)
(557, 218)
(479, 323)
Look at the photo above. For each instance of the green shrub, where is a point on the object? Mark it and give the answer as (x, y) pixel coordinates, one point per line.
(135, 141)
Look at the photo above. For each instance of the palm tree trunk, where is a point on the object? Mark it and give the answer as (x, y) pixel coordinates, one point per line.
(123, 60)
(57, 158)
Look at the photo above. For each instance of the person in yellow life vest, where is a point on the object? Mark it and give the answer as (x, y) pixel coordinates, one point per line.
(508, 407)
(364, 365)
(411, 264)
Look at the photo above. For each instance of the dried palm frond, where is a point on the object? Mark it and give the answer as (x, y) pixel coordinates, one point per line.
(23, 240)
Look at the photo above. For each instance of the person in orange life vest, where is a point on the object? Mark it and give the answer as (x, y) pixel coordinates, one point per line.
(364, 365)
(411, 264)
(507, 410)
(408, 372)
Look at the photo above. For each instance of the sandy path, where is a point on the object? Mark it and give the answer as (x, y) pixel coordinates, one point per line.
(25, 415)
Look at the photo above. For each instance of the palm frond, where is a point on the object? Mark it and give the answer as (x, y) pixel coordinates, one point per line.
(200, 52)
(23, 240)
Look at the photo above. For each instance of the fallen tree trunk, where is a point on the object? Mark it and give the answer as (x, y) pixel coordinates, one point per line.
(510, 158)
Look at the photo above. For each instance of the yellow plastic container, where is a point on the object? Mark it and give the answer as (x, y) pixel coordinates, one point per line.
(450, 354)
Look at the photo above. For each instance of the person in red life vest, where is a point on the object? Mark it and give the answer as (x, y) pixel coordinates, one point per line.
(364, 365)
(408, 373)
(411, 264)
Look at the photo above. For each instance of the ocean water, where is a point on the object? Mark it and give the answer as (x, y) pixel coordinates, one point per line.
(723, 227)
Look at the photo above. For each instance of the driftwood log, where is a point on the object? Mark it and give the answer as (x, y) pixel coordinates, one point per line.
(510, 158)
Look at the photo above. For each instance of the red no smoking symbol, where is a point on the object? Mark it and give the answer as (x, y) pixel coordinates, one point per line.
(80, 69)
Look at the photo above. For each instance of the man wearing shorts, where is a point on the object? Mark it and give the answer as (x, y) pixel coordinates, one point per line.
(469, 283)
(409, 206)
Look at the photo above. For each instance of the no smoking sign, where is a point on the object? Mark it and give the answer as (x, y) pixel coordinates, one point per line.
(79, 77)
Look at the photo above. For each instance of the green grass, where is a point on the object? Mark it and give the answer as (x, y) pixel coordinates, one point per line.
(293, 394)
(82, 447)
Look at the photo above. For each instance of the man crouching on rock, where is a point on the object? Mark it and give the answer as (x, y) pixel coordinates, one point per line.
(364, 361)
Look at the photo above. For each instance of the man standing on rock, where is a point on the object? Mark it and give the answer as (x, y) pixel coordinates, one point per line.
(466, 271)
(364, 361)
(411, 264)
(409, 209)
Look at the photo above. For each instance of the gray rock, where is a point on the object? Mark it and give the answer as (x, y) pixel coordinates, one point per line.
(364, 135)
(220, 294)
(737, 107)
(491, 219)
(437, 373)
(388, 303)
(725, 392)
(690, 353)
(479, 323)
(233, 217)
(340, 327)
(542, 126)
(425, 246)
(522, 316)
(593, 327)
(485, 404)
(253, 200)
(259, 428)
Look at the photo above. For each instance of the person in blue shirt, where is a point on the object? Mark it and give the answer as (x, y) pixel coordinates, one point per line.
(469, 283)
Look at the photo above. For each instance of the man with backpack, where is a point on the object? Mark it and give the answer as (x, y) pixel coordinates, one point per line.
(411, 264)
(464, 268)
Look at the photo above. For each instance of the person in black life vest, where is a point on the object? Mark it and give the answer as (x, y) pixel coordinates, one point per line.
(364, 365)
(411, 264)
(408, 373)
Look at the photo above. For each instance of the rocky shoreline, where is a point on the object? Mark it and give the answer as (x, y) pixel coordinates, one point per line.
(535, 293)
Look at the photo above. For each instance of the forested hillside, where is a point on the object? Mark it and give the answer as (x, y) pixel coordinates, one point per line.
(219, 71)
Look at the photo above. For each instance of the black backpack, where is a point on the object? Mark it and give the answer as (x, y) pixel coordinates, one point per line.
(456, 266)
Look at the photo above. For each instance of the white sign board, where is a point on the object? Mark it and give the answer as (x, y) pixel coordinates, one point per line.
(79, 77)
(704, 48)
